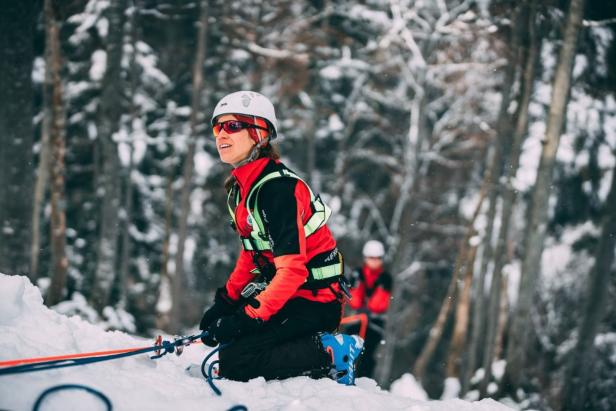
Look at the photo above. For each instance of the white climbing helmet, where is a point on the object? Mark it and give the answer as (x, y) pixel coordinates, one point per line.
(373, 248)
(248, 103)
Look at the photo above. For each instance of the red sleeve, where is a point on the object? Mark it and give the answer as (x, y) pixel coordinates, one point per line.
(291, 271)
(357, 296)
(379, 301)
(241, 275)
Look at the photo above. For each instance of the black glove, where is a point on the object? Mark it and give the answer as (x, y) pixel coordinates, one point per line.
(223, 305)
(226, 329)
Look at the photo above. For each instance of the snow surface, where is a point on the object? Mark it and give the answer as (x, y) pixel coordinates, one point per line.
(29, 329)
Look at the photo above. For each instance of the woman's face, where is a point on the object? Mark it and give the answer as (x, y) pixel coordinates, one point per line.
(233, 148)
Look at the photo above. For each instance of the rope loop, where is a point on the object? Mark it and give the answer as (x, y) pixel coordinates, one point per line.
(61, 387)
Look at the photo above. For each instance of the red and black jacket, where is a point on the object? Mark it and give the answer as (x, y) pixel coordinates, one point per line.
(284, 207)
(371, 290)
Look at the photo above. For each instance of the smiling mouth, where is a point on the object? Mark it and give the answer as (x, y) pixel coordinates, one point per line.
(223, 146)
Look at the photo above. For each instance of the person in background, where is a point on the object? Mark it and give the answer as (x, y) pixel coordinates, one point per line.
(277, 314)
(370, 294)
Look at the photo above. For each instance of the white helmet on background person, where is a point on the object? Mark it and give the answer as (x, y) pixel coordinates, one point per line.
(249, 103)
(373, 248)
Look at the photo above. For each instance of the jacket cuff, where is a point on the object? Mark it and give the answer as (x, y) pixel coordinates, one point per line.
(222, 297)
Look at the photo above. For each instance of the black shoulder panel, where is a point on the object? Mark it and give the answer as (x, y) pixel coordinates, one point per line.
(278, 209)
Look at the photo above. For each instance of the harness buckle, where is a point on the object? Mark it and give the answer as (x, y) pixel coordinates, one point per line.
(344, 286)
(253, 289)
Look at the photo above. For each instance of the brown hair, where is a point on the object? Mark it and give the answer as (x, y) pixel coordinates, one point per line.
(269, 151)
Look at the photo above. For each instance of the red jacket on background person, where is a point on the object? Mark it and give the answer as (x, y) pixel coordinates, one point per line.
(370, 289)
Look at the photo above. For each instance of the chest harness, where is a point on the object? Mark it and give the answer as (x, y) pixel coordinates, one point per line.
(323, 269)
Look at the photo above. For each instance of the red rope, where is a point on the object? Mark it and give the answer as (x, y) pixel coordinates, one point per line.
(10, 363)
(21, 361)
(363, 322)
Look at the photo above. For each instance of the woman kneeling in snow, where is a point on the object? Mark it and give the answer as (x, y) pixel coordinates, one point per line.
(283, 299)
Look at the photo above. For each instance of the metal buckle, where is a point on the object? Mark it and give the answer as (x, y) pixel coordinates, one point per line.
(253, 289)
(344, 286)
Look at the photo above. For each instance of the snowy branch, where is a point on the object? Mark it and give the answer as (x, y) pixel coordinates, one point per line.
(446, 229)
(254, 48)
(439, 159)
(388, 161)
(597, 23)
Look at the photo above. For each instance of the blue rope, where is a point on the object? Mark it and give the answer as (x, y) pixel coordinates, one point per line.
(210, 378)
(49, 365)
(208, 375)
(167, 346)
(56, 388)
(211, 369)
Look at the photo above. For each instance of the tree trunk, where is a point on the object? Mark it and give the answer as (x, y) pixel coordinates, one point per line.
(58, 203)
(575, 391)
(109, 179)
(197, 87)
(456, 350)
(16, 160)
(492, 325)
(492, 175)
(536, 230)
(402, 216)
(43, 169)
(311, 154)
(163, 317)
(509, 193)
(383, 370)
(400, 249)
(439, 326)
(503, 311)
(128, 190)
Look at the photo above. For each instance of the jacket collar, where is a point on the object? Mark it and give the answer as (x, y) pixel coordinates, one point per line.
(247, 174)
(371, 275)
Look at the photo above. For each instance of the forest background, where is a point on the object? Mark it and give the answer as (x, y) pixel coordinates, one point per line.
(475, 138)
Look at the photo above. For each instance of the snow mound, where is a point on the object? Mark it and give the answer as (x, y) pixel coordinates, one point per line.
(408, 386)
(29, 329)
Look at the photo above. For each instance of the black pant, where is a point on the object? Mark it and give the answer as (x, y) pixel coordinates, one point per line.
(286, 346)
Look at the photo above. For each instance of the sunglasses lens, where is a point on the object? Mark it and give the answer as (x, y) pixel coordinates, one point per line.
(230, 127)
(233, 126)
(216, 129)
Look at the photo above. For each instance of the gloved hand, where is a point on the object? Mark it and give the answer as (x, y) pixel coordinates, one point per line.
(228, 328)
(223, 305)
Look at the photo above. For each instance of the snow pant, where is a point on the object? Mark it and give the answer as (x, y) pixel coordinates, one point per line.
(374, 335)
(287, 345)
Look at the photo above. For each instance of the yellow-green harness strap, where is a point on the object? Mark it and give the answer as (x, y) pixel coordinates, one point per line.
(258, 240)
(259, 234)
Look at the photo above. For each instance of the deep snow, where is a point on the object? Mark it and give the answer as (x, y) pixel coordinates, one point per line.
(29, 329)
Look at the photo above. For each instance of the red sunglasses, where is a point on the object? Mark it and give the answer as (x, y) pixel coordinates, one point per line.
(233, 126)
